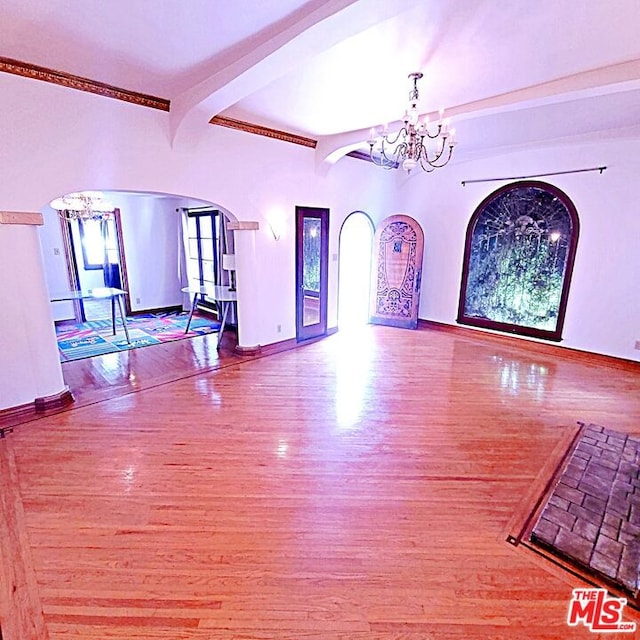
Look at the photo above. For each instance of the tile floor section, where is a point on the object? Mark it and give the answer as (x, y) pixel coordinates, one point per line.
(593, 515)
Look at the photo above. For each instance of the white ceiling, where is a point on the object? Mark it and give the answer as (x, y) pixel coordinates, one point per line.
(510, 72)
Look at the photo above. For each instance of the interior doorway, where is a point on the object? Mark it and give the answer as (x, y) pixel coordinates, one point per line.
(354, 282)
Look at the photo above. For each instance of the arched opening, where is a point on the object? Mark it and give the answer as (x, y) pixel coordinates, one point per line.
(150, 247)
(520, 247)
(354, 283)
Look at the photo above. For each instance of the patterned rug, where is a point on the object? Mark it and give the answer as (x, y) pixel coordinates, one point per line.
(94, 338)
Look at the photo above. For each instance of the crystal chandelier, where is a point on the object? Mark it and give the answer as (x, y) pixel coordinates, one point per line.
(84, 205)
(415, 144)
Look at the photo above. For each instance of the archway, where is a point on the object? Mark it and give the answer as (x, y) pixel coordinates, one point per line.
(157, 257)
(354, 282)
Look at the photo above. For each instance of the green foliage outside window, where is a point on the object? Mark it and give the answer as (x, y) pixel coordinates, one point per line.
(311, 266)
(518, 258)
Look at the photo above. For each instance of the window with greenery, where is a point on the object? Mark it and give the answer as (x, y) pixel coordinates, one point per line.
(519, 253)
(311, 253)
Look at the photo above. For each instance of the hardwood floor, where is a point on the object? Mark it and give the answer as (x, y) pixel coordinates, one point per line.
(358, 488)
(115, 374)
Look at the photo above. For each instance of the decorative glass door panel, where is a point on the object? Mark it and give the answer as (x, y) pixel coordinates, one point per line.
(398, 258)
(312, 246)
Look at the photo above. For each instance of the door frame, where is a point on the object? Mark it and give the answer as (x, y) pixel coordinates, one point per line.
(306, 332)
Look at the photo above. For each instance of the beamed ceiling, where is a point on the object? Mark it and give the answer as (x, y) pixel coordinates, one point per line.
(510, 73)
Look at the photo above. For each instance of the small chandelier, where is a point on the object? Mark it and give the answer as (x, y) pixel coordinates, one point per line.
(412, 146)
(84, 205)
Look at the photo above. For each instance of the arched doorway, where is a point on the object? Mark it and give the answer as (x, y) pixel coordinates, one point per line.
(163, 245)
(354, 283)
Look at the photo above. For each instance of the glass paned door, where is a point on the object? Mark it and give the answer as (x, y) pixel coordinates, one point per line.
(312, 247)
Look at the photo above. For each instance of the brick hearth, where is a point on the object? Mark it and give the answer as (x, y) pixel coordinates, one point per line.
(593, 514)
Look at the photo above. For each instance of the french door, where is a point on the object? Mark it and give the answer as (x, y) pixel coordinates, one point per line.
(312, 261)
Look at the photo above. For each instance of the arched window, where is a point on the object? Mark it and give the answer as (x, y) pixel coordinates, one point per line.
(519, 252)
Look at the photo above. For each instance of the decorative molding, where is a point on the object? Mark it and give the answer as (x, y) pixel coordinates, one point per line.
(243, 225)
(525, 342)
(55, 401)
(279, 347)
(18, 217)
(248, 351)
(259, 130)
(35, 72)
(293, 343)
(11, 415)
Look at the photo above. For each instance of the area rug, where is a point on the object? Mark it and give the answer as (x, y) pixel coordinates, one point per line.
(94, 338)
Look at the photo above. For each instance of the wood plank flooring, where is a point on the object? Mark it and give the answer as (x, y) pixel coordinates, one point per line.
(357, 488)
(114, 374)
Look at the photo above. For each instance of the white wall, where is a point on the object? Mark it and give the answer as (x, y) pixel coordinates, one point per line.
(150, 237)
(150, 227)
(603, 312)
(54, 261)
(55, 140)
(29, 364)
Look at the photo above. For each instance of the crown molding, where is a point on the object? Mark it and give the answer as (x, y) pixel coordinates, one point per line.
(259, 130)
(35, 72)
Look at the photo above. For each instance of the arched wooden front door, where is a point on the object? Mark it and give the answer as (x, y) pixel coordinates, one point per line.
(398, 249)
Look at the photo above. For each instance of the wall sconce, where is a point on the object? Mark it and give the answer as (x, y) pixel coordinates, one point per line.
(274, 230)
(276, 221)
(229, 264)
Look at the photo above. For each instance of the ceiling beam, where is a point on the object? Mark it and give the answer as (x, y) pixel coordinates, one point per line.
(288, 45)
(607, 80)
